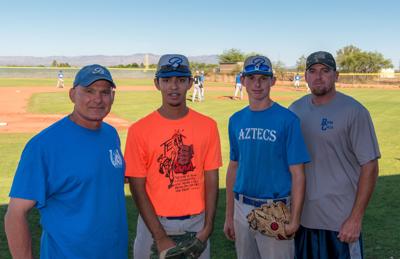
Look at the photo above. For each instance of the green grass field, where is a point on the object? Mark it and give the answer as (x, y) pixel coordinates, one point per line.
(381, 225)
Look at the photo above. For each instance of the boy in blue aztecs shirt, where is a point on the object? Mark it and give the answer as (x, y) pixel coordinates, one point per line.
(267, 156)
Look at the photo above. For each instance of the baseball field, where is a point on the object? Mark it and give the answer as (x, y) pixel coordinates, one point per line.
(29, 105)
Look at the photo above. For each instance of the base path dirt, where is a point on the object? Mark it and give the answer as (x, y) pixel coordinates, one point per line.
(14, 117)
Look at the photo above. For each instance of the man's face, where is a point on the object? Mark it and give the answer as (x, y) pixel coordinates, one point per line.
(321, 79)
(92, 103)
(173, 89)
(257, 86)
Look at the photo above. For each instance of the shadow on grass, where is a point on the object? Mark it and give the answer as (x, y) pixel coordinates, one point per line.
(380, 232)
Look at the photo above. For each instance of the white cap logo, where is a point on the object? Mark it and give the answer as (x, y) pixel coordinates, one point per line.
(258, 62)
(98, 70)
(175, 62)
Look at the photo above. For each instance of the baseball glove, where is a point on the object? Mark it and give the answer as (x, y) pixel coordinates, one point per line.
(188, 246)
(270, 220)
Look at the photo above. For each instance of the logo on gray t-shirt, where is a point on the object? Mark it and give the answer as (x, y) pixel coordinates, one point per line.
(326, 124)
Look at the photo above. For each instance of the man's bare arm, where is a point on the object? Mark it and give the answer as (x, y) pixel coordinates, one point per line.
(17, 228)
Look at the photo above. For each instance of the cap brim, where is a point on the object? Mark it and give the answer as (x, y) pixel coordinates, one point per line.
(94, 79)
(172, 73)
(334, 68)
(257, 72)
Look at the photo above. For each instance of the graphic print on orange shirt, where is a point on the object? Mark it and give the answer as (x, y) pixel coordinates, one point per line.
(176, 158)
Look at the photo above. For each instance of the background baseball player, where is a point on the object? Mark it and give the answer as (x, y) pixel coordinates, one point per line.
(173, 155)
(202, 84)
(297, 78)
(73, 172)
(197, 87)
(60, 79)
(238, 86)
(341, 176)
(267, 153)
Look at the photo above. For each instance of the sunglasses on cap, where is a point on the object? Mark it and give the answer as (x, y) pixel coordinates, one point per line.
(255, 68)
(169, 68)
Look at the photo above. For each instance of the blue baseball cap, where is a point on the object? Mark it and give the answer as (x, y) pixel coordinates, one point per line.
(92, 73)
(257, 65)
(171, 65)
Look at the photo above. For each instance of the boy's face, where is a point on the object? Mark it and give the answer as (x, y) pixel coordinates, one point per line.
(258, 86)
(173, 89)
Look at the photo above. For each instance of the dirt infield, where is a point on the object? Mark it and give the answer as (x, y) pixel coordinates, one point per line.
(14, 117)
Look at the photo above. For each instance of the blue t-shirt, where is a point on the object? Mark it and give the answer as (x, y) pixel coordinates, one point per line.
(202, 78)
(238, 78)
(265, 143)
(76, 176)
(297, 78)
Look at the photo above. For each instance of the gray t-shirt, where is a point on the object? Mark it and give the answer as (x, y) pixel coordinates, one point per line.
(340, 137)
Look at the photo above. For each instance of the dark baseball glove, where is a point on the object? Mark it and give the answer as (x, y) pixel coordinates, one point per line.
(188, 246)
(270, 220)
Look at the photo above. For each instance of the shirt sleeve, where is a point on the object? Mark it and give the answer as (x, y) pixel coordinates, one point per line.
(363, 138)
(234, 151)
(135, 155)
(295, 146)
(213, 158)
(31, 176)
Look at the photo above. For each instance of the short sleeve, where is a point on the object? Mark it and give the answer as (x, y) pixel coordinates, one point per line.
(234, 151)
(295, 146)
(363, 138)
(31, 175)
(135, 155)
(213, 159)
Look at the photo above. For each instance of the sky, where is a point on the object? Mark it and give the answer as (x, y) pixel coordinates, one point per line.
(282, 30)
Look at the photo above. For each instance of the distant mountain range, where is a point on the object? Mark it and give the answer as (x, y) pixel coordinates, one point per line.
(100, 59)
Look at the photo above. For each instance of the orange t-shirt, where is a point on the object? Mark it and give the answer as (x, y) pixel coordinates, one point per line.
(172, 155)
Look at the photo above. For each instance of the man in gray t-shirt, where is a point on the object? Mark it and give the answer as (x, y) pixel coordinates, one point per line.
(343, 170)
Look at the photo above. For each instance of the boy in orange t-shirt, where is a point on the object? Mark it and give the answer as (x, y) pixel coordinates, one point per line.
(172, 159)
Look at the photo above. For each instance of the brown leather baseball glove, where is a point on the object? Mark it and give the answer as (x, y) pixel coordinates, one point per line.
(270, 220)
(188, 246)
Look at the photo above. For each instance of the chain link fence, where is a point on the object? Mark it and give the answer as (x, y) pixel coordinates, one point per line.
(345, 79)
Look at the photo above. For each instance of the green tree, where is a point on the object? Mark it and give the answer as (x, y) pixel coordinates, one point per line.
(195, 66)
(351, 59)
(252, 54)
(279, 69)
(54, 63)
(63, 64)
(231, 56)
(301, 64)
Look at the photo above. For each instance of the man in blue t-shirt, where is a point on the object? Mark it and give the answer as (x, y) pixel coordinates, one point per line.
(73, 173)
(267, 156)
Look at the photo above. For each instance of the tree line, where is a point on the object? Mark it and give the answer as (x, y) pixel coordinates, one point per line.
(349, 59)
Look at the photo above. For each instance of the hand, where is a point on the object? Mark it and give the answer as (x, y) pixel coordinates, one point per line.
(291, 228)
(203, 235)
(229, 229)
(164, 243)
(350, 230)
